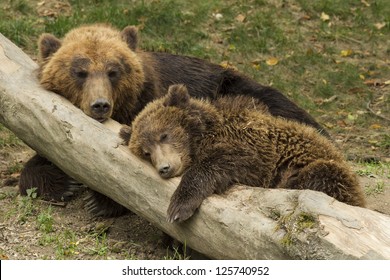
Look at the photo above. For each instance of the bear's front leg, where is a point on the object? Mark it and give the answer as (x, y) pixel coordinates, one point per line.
(182, 206)
(197, 183)
(51, 183)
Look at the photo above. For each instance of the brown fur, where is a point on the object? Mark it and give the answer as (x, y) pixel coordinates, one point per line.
(93, 63)
(101, 71)
(220, 146)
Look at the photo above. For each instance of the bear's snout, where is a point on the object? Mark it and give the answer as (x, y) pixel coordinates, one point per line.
(164, 170)
(100, 108)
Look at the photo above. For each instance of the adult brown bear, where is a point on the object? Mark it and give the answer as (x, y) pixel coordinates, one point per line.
(214, 146)
(101, 71)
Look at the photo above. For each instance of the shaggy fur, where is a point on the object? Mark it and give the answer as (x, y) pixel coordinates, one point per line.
(215, 146)
(101, 71)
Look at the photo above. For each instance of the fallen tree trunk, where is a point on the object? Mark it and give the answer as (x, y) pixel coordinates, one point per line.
(245, 223)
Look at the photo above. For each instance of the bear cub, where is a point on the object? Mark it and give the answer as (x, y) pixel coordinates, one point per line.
(217, 144)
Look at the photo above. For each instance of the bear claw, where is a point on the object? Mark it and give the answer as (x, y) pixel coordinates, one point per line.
(179, 213)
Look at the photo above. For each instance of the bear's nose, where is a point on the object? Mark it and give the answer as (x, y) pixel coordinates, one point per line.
(164, 170)
(101, 106)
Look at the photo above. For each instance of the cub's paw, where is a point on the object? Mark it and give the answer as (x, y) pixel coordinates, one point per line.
(179, 211)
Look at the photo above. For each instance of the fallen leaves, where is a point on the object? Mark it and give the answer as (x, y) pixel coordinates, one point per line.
(228, 65)
(321, 101)
(272, 61)
(240, 18)
(217, 16)
(346, 53)
(324, 17)
(375, 126)
(54, 8)
(376, 83)
(380, 25)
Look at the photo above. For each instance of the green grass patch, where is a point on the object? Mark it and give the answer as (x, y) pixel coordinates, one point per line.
(377, 188)
(7, 138)
(45, 220)
(374, 169)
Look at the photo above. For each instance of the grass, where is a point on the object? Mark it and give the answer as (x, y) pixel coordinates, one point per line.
(308, 48)
(7, 138)
(378, 172)
(374, 169)
(377, 188)
(26, 206)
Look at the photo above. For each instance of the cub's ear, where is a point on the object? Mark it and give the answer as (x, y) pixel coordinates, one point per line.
(125, 134)
(130, 36)
(48, 44)
(177, 96)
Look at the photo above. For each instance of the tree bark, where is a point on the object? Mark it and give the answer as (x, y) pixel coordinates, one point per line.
(244, 223)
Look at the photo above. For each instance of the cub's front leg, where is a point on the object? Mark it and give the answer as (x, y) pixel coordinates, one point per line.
(197, 183)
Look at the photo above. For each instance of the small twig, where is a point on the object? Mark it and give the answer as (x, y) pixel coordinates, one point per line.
(345, 38)
(372, 112)
(54, 203)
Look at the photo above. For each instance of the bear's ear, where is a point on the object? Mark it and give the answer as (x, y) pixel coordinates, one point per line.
(125, 134)
(48, 44)
(177, 96)
(130, 36)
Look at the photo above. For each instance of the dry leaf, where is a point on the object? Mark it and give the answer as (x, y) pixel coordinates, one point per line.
(365, 3)
(376, 126)
(330, 99)
(374, 82)
(341, 123)
(380, 25)
(256, 61)
(232, 47)
(305, 17)
(345, 53)
(272, 61)
(256, 64)
(324, 17)
(218, 16)
(329, 125)
(356, 90)
(240, 18)
(226, 64)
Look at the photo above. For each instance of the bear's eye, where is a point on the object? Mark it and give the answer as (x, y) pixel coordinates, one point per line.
(146, 154)
(113, 74)
(163, 137)
(82, 74)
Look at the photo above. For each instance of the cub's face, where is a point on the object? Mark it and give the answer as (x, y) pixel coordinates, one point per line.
(161, 141)
(164, 131)
(93, 67)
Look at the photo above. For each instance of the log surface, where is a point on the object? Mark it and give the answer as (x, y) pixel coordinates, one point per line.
(245, 223)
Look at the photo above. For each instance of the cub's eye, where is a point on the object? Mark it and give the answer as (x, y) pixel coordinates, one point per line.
(163, 137)
(146, 154)
(82, 74)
